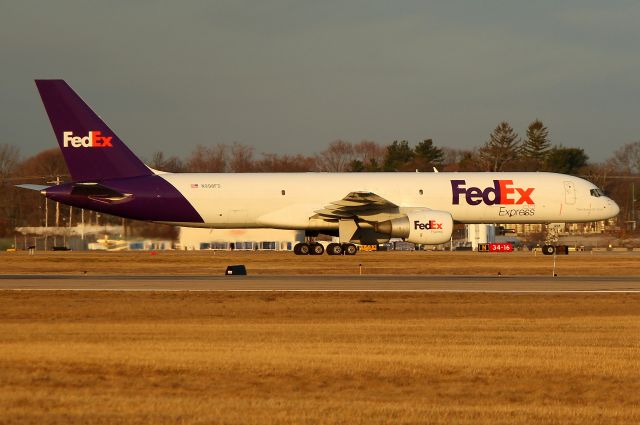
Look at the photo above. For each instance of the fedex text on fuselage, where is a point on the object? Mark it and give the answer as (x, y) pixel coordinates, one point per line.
(501, 193)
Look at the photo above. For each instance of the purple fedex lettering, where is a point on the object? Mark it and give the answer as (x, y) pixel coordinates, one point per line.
(457, 190)
(474, 196)
(500, 193)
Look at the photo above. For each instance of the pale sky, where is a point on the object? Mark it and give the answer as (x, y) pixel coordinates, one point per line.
(292, 76)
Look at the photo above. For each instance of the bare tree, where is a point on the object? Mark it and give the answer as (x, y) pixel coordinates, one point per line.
(173, 164)
(337, 157)
(627, 159)
(45, 165)
(9, 158)
(24, 207)
(208, 159)
(469, 161)
(369, 155)
(598, 174)
(286, 163)
(452, 157)
(241, 158)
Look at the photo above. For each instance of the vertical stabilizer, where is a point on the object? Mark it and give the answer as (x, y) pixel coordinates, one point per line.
(91, 150)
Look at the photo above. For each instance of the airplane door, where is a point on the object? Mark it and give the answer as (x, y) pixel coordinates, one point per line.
(569, 193)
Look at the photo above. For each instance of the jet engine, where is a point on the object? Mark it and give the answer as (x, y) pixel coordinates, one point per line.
(427, 227)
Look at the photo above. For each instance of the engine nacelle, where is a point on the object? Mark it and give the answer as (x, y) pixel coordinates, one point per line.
(427, 227)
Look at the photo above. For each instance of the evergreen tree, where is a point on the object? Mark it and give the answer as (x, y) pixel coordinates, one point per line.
(428, 154)
(398, 154)
(356, 166)
(566, 160)
(501, 148)
(537, 145)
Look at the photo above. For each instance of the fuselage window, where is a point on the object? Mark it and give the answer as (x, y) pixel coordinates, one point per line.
(283, 192)
(420, 191)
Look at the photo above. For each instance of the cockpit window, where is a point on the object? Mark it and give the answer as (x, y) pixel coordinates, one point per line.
(597, 193)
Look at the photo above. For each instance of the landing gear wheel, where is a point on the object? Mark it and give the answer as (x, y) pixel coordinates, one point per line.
(548, 249)
(349, 249)
(334, 249)
(316, 249)
(301, 249)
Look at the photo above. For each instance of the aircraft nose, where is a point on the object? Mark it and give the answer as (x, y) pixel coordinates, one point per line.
(613, 208)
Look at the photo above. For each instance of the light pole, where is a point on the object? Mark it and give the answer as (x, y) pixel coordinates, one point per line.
(46, 222)
(55, 237)
(633, 206)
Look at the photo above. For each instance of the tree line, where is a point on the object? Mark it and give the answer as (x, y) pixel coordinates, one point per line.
(503, 150)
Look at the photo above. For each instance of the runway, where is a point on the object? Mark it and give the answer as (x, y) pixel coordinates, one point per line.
(320, 283)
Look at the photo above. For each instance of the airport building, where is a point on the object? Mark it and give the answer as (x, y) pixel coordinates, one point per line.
(238, 239)
(83, 237)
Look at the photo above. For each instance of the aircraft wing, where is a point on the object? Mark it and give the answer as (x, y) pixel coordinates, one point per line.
(354, 205)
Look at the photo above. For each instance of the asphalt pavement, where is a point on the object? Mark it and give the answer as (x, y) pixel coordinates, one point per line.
(506, 284)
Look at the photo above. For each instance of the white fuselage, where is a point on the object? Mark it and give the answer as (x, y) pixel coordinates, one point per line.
(290, 200)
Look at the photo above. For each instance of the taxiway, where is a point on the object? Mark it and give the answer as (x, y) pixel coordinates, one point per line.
(507, 284)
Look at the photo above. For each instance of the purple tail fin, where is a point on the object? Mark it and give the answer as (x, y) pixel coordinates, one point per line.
(91, 150)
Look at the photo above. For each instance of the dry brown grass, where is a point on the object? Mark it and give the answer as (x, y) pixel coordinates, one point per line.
(279, 263)
(330, 358)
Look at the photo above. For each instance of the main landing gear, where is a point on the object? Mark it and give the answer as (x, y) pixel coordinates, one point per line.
(548, 249)
(308, 249)
(332, 249)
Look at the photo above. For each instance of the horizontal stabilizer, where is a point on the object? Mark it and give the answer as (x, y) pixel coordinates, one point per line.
(99, 192)
(37, 187)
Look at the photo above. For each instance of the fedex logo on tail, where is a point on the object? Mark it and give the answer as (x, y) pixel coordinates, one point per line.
(95, 139)
(501, 193)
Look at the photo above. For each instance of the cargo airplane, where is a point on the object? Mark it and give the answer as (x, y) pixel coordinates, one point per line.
(362, 208)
